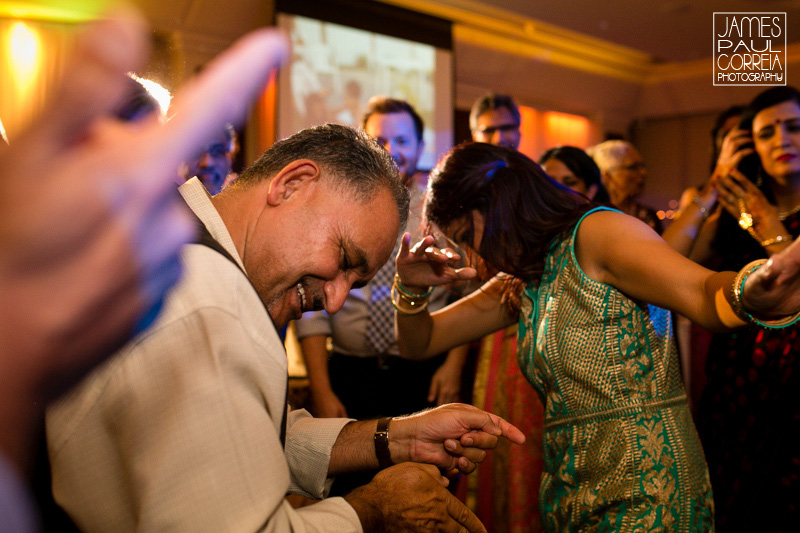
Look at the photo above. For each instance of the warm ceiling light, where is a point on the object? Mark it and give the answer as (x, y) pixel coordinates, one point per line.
(24, 53)
(54, 10)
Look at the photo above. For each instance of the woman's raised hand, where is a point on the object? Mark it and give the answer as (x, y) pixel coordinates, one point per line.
(737, 194)
(737, 145)
(742, 199)
(424, 264)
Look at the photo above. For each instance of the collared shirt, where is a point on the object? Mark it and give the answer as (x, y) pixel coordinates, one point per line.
(181, 429)
(348, 326)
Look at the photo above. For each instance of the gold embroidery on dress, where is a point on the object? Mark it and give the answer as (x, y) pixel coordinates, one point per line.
(607, 369)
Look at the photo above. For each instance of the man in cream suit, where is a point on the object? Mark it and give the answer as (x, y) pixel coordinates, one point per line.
(90, 226)
(187, 428)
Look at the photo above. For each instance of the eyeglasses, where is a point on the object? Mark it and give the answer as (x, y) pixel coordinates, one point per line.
(504, 128)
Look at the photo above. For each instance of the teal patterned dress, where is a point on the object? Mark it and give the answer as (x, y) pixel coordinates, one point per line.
(620, 449)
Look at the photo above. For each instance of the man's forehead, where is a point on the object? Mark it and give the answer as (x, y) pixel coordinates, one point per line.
(379, 121)
(375, 222)
(496, 115)
(219, 138)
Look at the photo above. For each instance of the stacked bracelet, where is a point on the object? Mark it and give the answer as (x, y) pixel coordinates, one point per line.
(736, 300)
(408, 293)
(736, 289)
(776, 240)
(407, 302)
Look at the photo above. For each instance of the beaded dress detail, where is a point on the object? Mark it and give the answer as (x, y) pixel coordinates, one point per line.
(620, 449)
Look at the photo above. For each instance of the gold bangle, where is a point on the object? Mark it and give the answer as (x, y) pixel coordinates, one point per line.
(736, 289)
(412, 298)
(408, 293)
(417, 306)
(776, 240)
(778, 323)
(413, 302)
(738, 308)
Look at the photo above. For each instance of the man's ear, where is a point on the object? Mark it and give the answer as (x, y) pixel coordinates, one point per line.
(591, 191)
(292, 179)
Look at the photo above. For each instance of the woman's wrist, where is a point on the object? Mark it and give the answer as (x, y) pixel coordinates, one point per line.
(738, 305)
(407, 301)
(702, 206)
(783, 240)
(412, 291)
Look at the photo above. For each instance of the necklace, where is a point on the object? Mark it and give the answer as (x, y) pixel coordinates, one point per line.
(784, 214)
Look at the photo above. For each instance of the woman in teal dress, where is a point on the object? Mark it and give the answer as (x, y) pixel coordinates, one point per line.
(591, 290)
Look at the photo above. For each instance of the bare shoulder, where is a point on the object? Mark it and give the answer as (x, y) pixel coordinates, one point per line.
(606, 237)
(607, 226)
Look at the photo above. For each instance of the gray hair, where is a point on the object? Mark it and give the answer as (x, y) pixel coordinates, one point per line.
(608, 154)
(354, 159)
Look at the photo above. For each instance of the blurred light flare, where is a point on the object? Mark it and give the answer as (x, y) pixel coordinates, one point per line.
(157, 91)
(25, 54)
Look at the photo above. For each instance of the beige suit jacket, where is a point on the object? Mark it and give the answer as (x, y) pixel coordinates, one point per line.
(180, 430)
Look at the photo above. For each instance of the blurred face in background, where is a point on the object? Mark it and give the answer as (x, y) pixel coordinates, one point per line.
(562, 174)
(625, 178)
(397, 134)
(213, 165)
(498, 127)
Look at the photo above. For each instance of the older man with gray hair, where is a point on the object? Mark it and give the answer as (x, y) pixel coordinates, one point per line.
(624, 174)
(188, 428)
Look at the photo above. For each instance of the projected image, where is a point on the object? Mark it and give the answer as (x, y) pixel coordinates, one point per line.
(336, 69)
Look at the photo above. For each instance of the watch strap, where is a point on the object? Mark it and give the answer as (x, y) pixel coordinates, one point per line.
(381, 439)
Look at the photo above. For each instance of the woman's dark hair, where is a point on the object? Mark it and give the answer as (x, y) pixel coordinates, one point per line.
(731, 241)
(768, 98)
(580, 164)
(523, 208)
(771, 97)
(719, 122)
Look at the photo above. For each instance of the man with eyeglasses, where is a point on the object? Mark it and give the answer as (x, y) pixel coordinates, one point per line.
(624, 174)
(495, 119)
